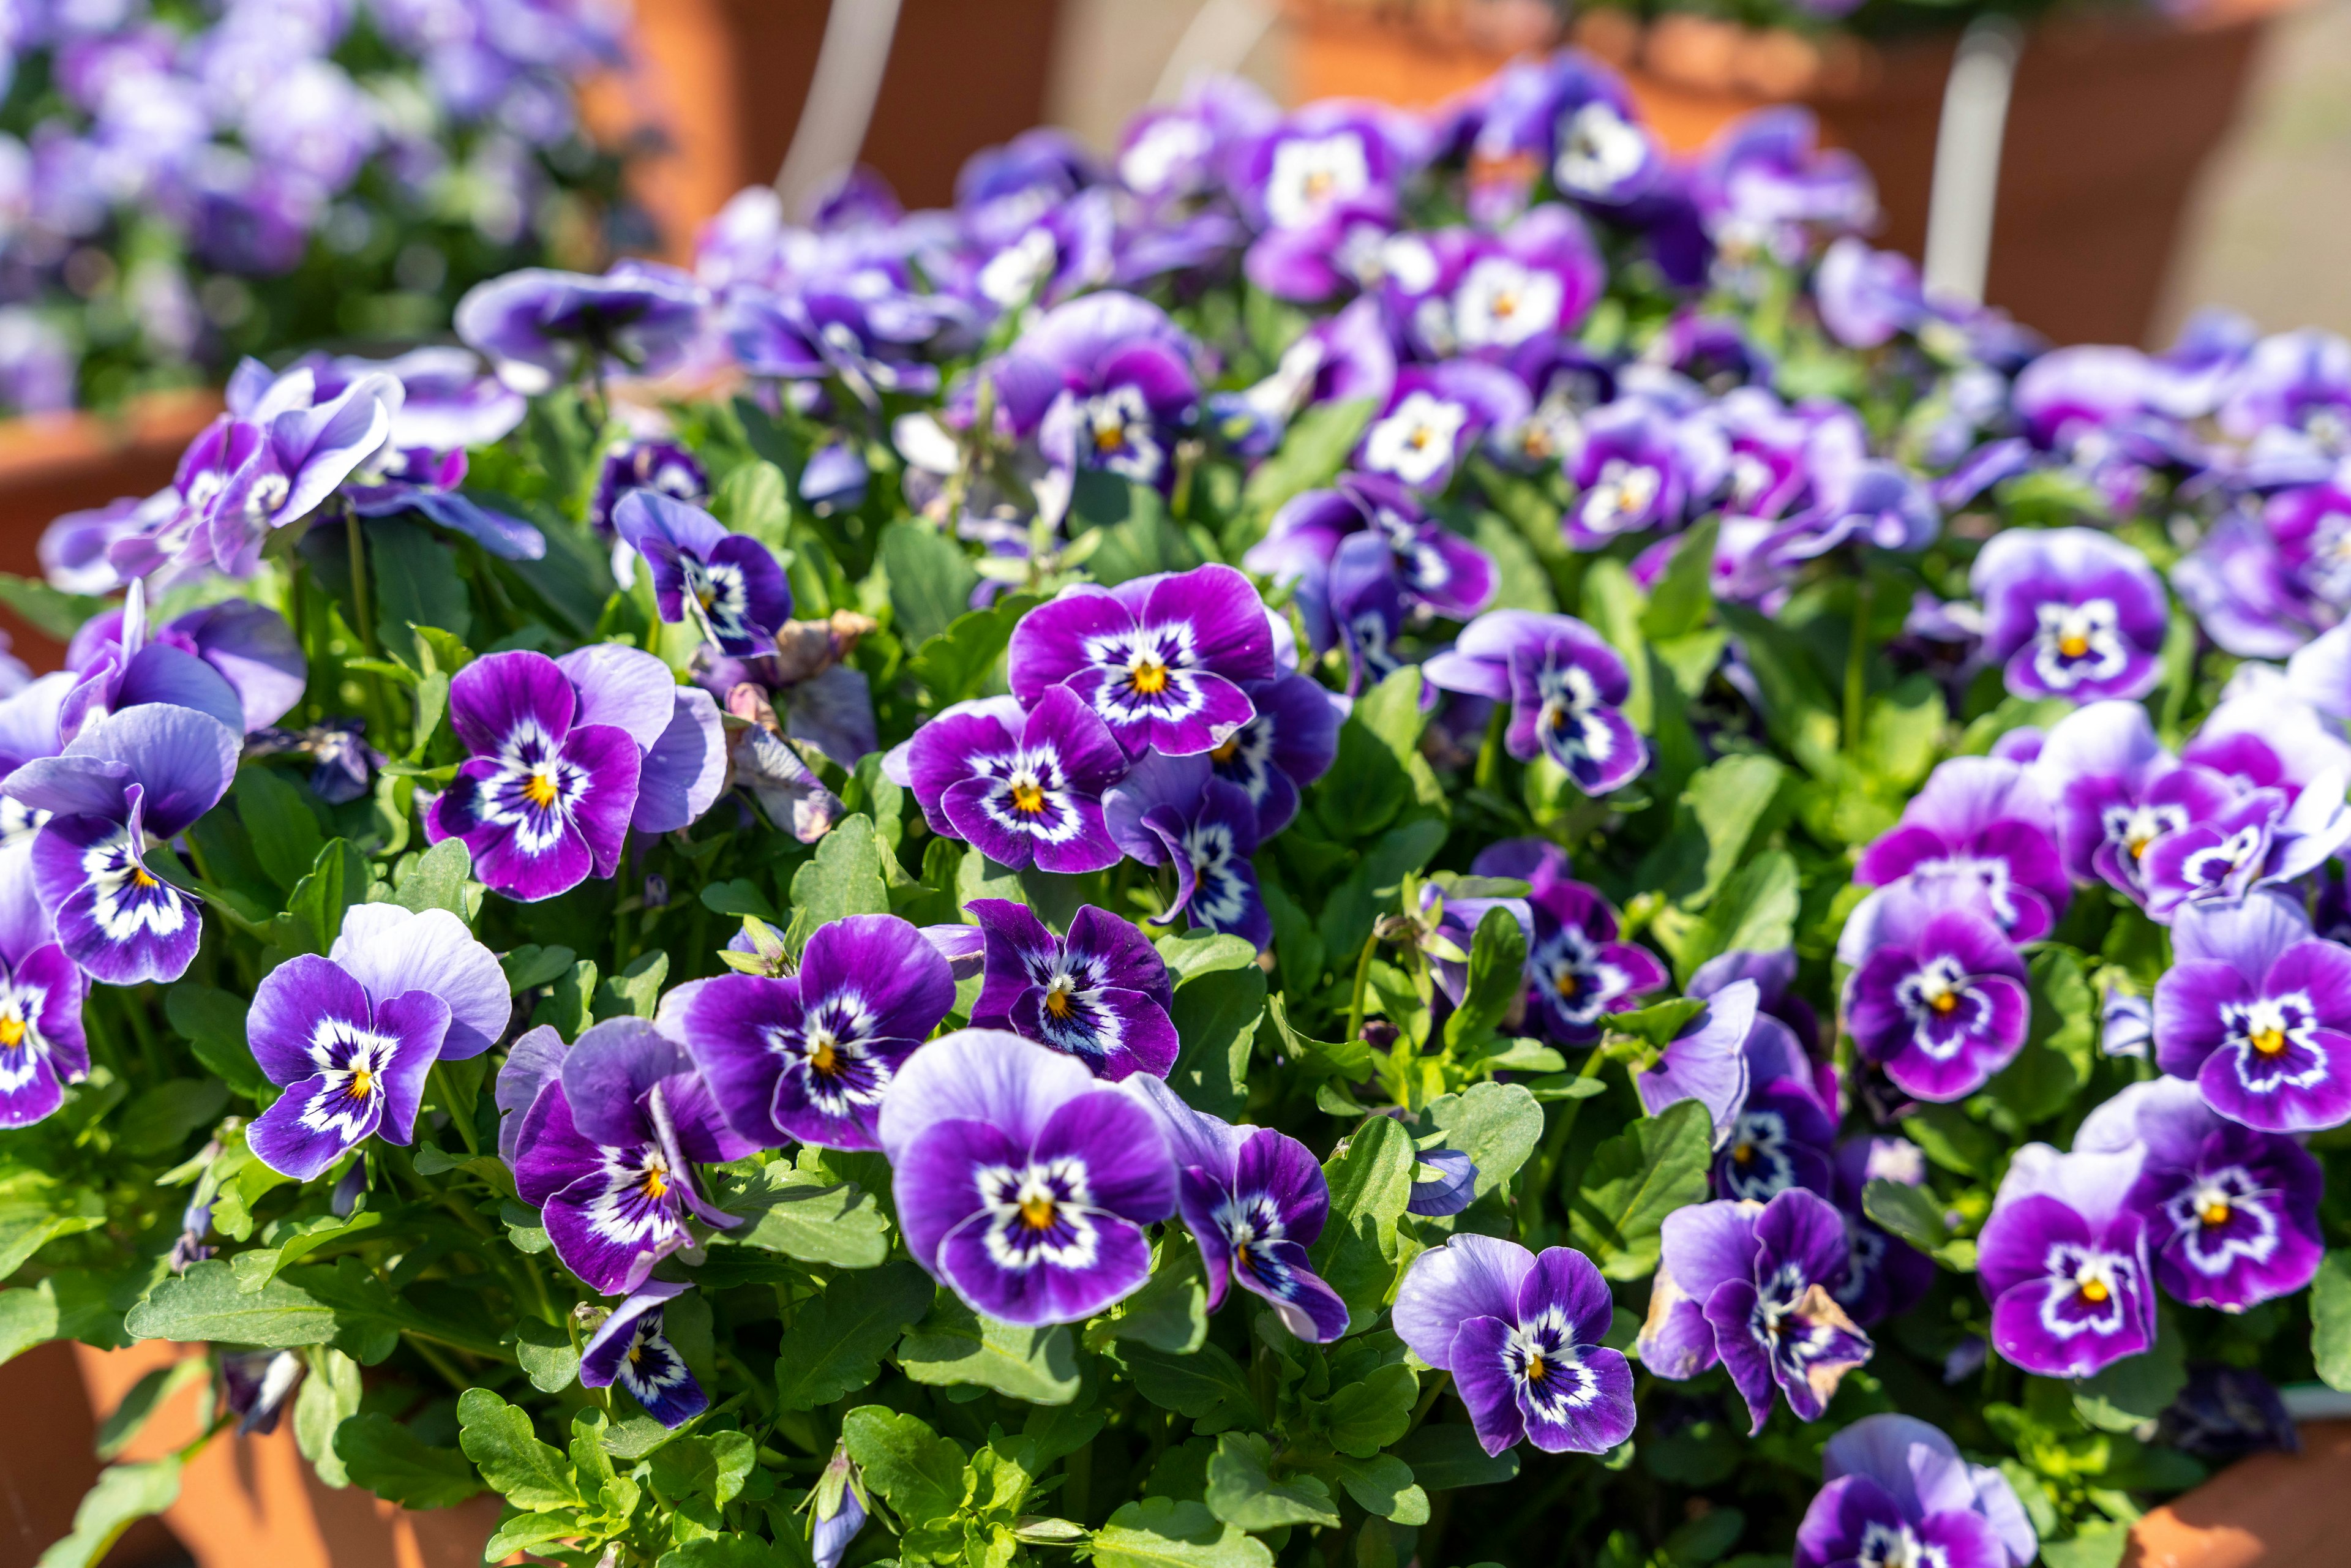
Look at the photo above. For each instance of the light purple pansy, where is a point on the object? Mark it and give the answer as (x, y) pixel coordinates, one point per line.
(2071, 613)
(1576, 970)
(2119, 792)
(1898, 1491)
(1520, 1333)
(539, 327)
(1534, 280)
(390, 950)
(1707, 1061)
(352, 1064)
(42, 1044)
(630, 1349)
(1162, 659)
(1565, 685)
(2063, 1262)
(811, 1056)
(1435, 415)
(546, 796)
(727, 584)
(132, 779)
(1435, 566)
(448, 401)
(121, 663)
(2231, 1213)
(1174, 809)
(1628, 474)
(1020, 788)
(2256, 1010)
(1942, 1001)
(1024, 1183)
(1979, 824)
(1290, 744)
(1866, 296)
(1101, 994)
(1254, 1200)
(607, 1146)
(1749, 1286)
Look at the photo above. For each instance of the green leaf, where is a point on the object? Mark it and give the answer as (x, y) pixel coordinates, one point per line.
(837, 1338)
(1132, 533)
(1497, 967)
(1169, 1313)
(1444, 1458)
(1313, 450)
(531, 966)
(159, 1119)
(2061, 1045)
(1371, 1183)
(843, 878)
(1496, 1125)
(277, 821)
(713, 1466)
(1243, 1492)
(124, 1495)
(207, 1303)
(1371, 889)
(437, 879)
(36, 1209)
(1383, 1485)
(213, 1022)
(1907, 1211)
(1215, 1016)
(802, 1216)
(314, 910)
(953, 1344)
(755, 500)
(955, 664)
(718, 1552)
(2330, 1320)
(635, 991)
(1207, 1386)
(28, 1316)
(547, 1354)
(739, 896)
(1161, 1532)
(398, 1465)
(1684, 596)
(1197, 953)
(2099, 1545)
(915, 1470)
(2134, 1391)
(500, 1440)
(1367, 1414)
(1733, 802)
(1635, 1179)
(1658, 1022)
(417, 582)
(51, 612)
(1754, 911)
(1347, 1058)
(930, 577)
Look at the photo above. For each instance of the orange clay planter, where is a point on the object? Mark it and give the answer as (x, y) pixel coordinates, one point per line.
(2112, 120)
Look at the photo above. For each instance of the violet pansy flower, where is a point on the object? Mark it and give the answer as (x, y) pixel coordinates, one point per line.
(727, 584)
(1565, 686)
(1576, 970)
(650, 462)
(1628, 475)
(1435, 566)
(130, 781)
(630, 1349)
(2120, 793)
(1175, 809)
(1940, 1002)
(42, 1044)
(1162, 659)
(538, 327)
(1101, 994)
(2071, 613)
(811, 1056)
(1291, 743)
(1749, 1286)
(352, 1065)
(543, 800)
(2231, 1214)
(295, 457)
(1023, 1183)
(1707, 1059)
(607, 1146)
(121, 662)
(1520, 1333)
(2256, 1010)
(1435, 415)
(1980, 824)
(1779, 1139)
(2062, 1259)
(390, 950)
(1254, 1200)
(1020, 788)
(1898, 1491)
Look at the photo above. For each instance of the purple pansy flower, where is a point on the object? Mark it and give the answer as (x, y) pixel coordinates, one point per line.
(2062, 1259)
(837, 1510)
(539, 327)
(543, 800)
(1774, 974)
(2231, 1213)
(810, 1056)
(1162, 659)
(1534, 280)
(1290, 744)
(1023, 1183)
(606, 1148)
(1565, 685)
(630, 1349)
(1435, 566)
(121, 663)
(1897, 1491)
(653, 464)
(2257, 1011)
(42, 1046)
(1749, 1286)
(1885, 1277)
(1980, 824)
(289, 454)
(1020, 788)
(2071, 613)
(1866, 296)
(1101, 994)
(131, 779)
(1520, 1333)
(1175, 809)
(1327, 155)
(391, 950)
(1707, 1061)
(727, 584)
(1254, 1200)
(1444, 1182)
(1940, 1002)
(1779, 1139)
(1577, 970)
(1435, 415)
(2120, 793)
(352, 1064)
(1628, 474)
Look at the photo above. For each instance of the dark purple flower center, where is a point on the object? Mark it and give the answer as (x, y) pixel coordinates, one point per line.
(1756, 1162)
(832, 1053)
(1946, 1011)
(1038, 1213)
(1546, 1365)
(2221, 1218)
(2088, 1291)
(2276, 1043)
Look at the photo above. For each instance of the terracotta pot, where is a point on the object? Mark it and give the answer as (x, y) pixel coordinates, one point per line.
(243, 1500)
(2112, 119)
(726, 80)
(2272, 1511)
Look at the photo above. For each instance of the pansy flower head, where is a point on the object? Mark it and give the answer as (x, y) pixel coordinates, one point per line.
(2119, 792)
(1435, 566)
(726, 584)
(1940, 1000)
(121, 662)
(1898, 1493)
(811, 1056)
(1435, 415)
(2071, 613)
(1981, 825)
(2256, 1010)
(645, 463)
(301, 453)
(1176, 811)
(1565, 686)
(2063, 1262)
(1326, 155)
(352, 1065)
(43, 1047)
(1534, 280)
(539, 327)
(1290, 744)
(1628, 475)
(1023, 1183)
(1577, 971)
(2231, 1213)
(1765, 181)
(1021, 788)
(1254, 1200)
(1101, 994)
(1520, 1333)
(630, 1349)
(1749, 1286)
(1779, 1139)
(1161, 659)
(1707, 1061)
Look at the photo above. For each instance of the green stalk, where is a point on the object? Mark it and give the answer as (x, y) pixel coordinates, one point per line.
(1857, 667)
(1362, 984)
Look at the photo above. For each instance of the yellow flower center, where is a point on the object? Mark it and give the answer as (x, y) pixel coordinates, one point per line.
(1536, 1370)
(1037, 1212)
(824, 1057)
(363, 1084)
(2094, 1291)
(1148, 676)
(539, 787)
(12, 1032)
(141, 877)
(1109, 437)
(1945, 1001)
(1565, 984)
(2074, 645)
(1228, 750)
(2270, 1042)
(1057, 999)
(656, 1181)
(2216, 1212)
(1744, 1153)
(1029, 796)
(1504, 303)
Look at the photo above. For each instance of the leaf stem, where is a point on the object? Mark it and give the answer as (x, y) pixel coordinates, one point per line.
(1856, 666)
(1363, 983)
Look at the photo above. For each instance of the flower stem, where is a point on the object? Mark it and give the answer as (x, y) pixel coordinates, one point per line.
(1363, 983)
(366, 627)
(441, 1092)
(1857, 667)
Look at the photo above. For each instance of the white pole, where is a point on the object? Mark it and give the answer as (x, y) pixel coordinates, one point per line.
(1966, 190)
(841, 98)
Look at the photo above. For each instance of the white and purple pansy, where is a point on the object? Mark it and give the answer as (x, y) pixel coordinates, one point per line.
(1707, 1059)
(128, 781)
(121, 662)
(1434, 566)
(607, 1145)
(1779, 1139)
(1899, 1494)
(1290, 744)
(630, 1349)
(1984, 825)
(1162, 659)
(2256, 1010)
(1941, 1002)
(1577, 971)
(810, 1056)
(1101, 994)
(1022, 788)
(1749, 1286)
(2120, 793)
(1627, 472)
(1024, 1183)
(1435, 415)
(352, 1065)
(2071, 613)
(1175, 810)
(2063, 1262)
(727, 584)
(42, 1044)
(1254, 1200)
(1520, 1333)
(1565, 685)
